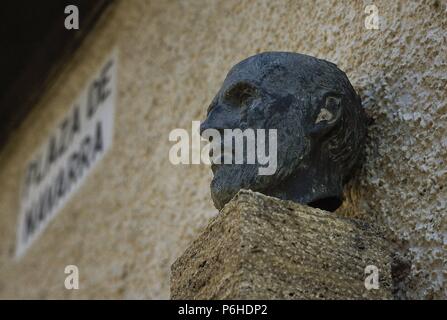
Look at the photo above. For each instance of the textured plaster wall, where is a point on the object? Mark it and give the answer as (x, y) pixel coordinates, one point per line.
(137, 213)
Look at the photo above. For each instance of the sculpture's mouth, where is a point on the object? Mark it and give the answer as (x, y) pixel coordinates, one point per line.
(219, 160)
(223, 158)
(223, 155)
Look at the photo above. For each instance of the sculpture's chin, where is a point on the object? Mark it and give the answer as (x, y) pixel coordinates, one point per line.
(218, 199)
(221, 191)
(229, 179)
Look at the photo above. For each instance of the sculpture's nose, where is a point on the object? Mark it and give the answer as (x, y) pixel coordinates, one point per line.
(212, 120)
(204, 126)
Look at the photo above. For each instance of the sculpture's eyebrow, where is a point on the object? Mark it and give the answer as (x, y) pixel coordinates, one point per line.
(228, 89)
(244, 82)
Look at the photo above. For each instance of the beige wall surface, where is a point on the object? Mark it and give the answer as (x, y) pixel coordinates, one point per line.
(136, 212)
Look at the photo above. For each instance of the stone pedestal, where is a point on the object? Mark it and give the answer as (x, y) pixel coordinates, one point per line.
(260, 247)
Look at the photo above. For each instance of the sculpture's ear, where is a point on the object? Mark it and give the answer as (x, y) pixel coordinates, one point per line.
(328, 117)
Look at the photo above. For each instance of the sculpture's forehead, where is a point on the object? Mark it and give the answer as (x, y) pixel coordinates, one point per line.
(270, 72)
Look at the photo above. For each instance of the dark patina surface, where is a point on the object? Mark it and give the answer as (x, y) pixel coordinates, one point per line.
(320, 123)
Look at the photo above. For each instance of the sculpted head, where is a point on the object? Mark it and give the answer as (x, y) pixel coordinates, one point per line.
(320, 123)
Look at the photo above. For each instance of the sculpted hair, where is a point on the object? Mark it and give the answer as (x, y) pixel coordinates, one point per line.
(346, 141)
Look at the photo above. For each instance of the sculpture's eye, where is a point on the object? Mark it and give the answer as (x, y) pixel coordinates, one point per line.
(241, 95)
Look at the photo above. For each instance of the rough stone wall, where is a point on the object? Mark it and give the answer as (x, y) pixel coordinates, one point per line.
(137, 212)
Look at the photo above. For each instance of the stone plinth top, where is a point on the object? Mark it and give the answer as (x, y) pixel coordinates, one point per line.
(260, 247)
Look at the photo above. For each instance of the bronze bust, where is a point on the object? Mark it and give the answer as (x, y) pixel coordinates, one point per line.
(320, 123)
